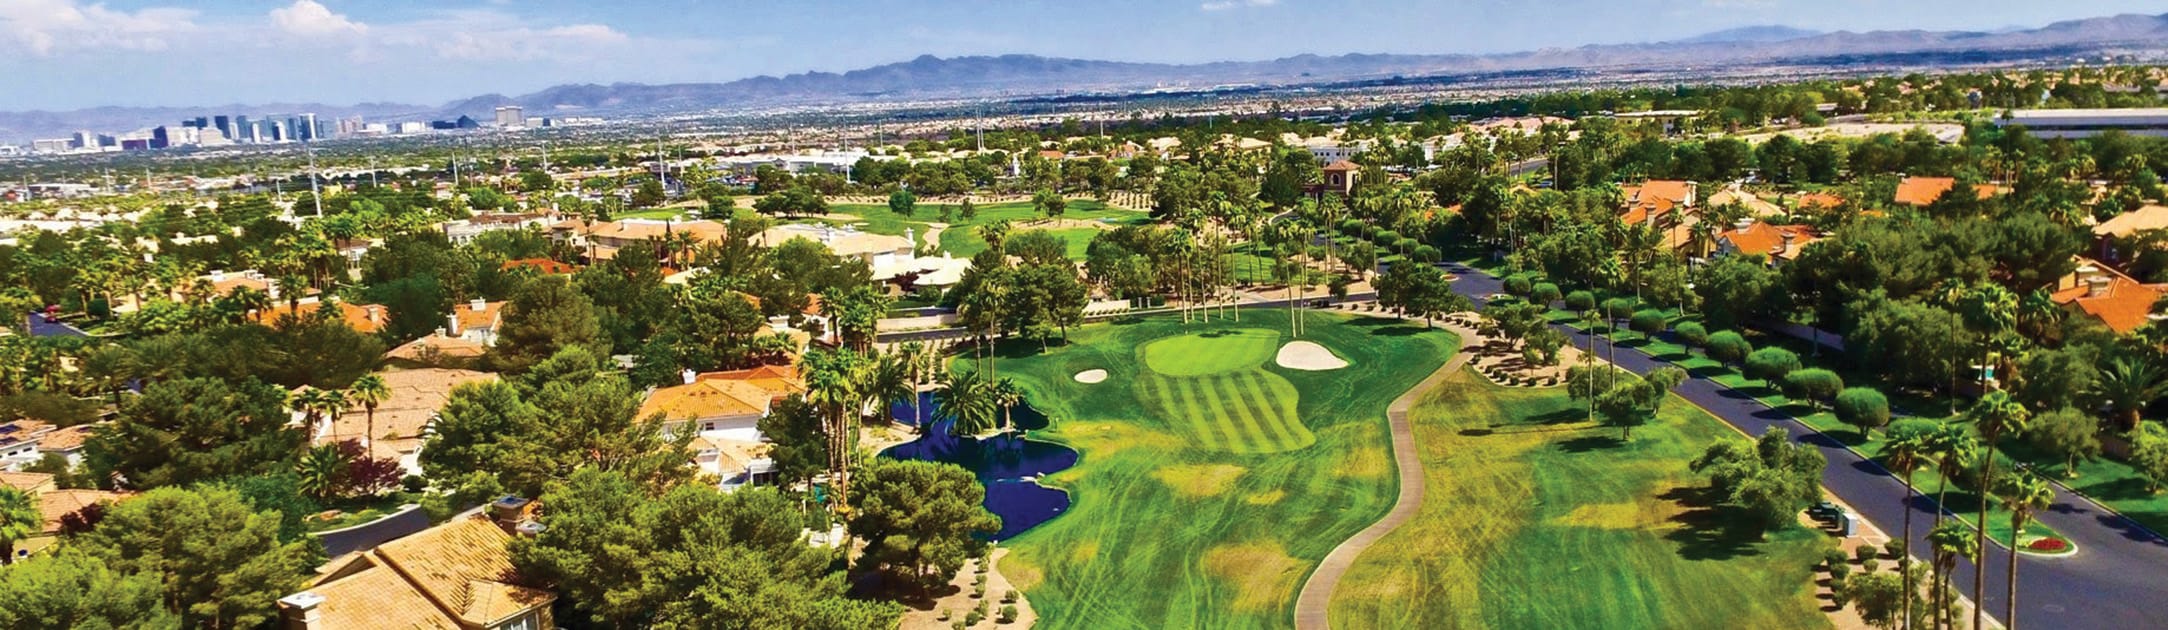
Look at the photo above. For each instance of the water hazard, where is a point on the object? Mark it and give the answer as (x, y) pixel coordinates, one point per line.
(1003, 463)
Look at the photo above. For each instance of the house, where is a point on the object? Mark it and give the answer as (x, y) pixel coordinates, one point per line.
(1340, 176)
(67, 442)
(723, 410)
(1778, 243)
(19, 442)
(734, 463)
(1659, 203)
(476, 321)
(1924, 191)
(542, 266)
(2102, 293)
(54, 506)
(455, 576)
(1818, 201)
(2149, 218)
(225, 283)
(847, 241)
(462, 232)
(414, 397)
(363, 318)
(437, 350)
(604, 240)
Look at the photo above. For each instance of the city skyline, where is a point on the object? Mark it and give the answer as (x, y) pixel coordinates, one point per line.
(76, 54)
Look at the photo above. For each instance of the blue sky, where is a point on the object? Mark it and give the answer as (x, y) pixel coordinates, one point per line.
(64, 54)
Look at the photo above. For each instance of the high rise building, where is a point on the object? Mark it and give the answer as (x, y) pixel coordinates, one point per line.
(85, 140)
(301, 127)
(163, 137)
(511, 116)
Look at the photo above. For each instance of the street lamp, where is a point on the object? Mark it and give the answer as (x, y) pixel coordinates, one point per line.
(1682, 298)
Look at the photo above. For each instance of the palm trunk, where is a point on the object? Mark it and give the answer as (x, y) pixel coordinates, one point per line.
(1979, 564)
(1905, 561)
(2017, 525)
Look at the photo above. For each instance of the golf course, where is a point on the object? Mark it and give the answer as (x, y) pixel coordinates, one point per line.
(1537, 518)
(1211, 479)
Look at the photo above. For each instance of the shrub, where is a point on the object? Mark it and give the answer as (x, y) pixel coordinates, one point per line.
(1009, 597)
(973, 618)
(1813, 384)
(1426, 253)
(1870, 564)
(1580, 301)
(1353, 227)
(2047, 544)
(1728, 347)
(1519, 284)
(959, 625)
(1544, 293)
(1385, 238)
(945, 614)
(1692, 333)
(1895, 548)
(1862, 407)
(1618, 307)
(1770, 364)
(1404, 244)
(1008, 615)
(1833, 558)
(413, 483)
(1839, 571)
(1647, 322)
(1863, 553)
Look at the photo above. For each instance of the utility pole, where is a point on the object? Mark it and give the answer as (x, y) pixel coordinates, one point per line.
(315, 194)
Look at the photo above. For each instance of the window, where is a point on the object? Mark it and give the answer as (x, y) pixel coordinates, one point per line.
(529, 621)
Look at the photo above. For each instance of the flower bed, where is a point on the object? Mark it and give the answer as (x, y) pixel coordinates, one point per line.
(2048, 545)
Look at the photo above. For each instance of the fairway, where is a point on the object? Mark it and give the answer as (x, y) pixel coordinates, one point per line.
(1535, 518)
(1201, 500)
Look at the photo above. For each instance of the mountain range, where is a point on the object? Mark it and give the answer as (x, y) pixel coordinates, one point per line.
(1020, 75)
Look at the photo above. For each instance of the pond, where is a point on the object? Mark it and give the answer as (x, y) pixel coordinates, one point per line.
(1006, 464)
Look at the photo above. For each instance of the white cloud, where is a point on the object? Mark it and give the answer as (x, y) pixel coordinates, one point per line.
(44, 28)
(1222, 5)
(309, 18)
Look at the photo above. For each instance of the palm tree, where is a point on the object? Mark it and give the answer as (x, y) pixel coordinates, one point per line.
(834, 384)
(19, 518)
(369, 391)
(918, 359)
(1905, 455)
(1994, 415)
(1952, 449)
(891, 381)
(319, 471)
(1007, 395)
(2127, 386)
(307, 401)
(1951, 540)
(967, 397)
(2026, 495)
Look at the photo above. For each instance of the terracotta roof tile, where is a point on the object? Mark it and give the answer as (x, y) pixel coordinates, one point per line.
(415, 396)
(65, 439)
(2122, 303)
(1921, 191)
(463, 566)
(366, 318)
(2145, 219)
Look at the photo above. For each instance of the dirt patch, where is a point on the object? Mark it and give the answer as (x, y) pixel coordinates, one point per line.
(1196, 481)
(1308, 356)
(958, 601)
(1268, 497)
(1261, 573)
(1091, 376)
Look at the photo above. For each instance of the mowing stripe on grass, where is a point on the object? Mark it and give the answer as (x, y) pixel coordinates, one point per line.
(1257, 388)
(1192, 411)
(1264, 423)
(1231, 411)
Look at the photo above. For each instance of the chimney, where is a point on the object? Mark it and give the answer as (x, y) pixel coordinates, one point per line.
(218, 275)
(1742, 224)
(477, 305)
(451, 325)
(300, 611)
(689, 376)
(376, 313)
(508, 511)
(2096, 286)
(1787, 244)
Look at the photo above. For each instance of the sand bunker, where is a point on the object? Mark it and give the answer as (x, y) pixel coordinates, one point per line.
(1304, 355)
(1091, 376)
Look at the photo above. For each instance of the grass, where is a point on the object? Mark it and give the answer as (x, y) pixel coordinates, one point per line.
(961, 238)
(361, 511)
(1167, 530)
(1534, 518)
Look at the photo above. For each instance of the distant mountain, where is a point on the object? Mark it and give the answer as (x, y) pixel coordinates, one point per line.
(1766, 33)
(1029, 75)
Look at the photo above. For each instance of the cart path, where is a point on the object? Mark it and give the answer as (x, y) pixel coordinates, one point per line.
(1316, 597)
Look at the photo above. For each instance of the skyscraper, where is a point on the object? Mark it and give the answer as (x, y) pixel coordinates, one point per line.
(511, 116)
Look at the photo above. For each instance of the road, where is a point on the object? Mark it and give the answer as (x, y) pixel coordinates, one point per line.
(2116, 580)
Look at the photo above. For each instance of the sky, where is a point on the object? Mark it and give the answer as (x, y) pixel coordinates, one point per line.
(68, 54)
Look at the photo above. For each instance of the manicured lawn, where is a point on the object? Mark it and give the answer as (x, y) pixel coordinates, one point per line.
(1174, 527)
(961, 238)
(1534, 518)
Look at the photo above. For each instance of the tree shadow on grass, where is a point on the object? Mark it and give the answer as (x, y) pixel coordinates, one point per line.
(882, 585)
(1398, 331)
(1708, 371)
(1562, 416)
(1588, 443)
(1706, 529)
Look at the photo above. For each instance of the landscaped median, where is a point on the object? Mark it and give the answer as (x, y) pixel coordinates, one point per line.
(1958, 500)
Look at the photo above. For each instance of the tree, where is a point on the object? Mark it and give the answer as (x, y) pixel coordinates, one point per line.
(1728, 347)
(1862, 407)
(220, 562)
(689, 557)
(1632, 402)
(321, 471)
(1951, 540)
(565, 414)
(648, 194)
(1994, 415)
(1767, 482)
(1648, 322)
(1903, 454)
(2127, 386)
(902, 202)
(1769, 365)
(917, 516)
(2025, 495)
(19, 518)
(968, 397)
(798, 437)
(1737, 290)
(544, 316)
(1815, 385)
(184, 431)
(1580, 301)
(368, 391)
(2149, 454)
(68, 589)
(2068, 435)
(1048, 203)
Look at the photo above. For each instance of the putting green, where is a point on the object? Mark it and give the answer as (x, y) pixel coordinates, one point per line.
(1214, 352)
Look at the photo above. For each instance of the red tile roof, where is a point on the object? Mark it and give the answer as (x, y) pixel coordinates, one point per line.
(2123, 304)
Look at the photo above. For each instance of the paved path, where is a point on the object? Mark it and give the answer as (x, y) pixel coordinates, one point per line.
(1316, 597)
(2117, 579)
